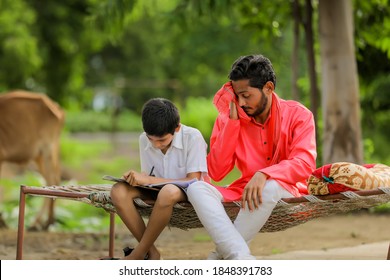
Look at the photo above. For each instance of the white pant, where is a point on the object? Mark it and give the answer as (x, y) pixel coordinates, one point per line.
(232, 240)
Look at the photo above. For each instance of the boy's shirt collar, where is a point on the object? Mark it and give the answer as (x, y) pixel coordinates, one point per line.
(177, 141)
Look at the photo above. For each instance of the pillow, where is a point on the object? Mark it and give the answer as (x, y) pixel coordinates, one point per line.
(344, 176)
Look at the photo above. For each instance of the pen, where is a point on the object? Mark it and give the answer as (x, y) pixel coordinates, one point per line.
(151, 172)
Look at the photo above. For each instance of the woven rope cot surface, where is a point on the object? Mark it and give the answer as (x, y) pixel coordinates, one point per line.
(288, 212)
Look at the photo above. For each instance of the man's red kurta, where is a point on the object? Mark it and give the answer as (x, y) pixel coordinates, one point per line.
(245, 143)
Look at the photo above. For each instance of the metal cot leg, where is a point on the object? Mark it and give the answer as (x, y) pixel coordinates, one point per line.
(22, 207)
(112, 235)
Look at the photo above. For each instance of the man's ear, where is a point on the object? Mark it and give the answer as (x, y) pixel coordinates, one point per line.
(178, 128)
(269, 86)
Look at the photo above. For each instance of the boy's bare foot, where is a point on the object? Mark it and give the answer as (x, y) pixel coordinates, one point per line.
(151, 255)
(154, 255)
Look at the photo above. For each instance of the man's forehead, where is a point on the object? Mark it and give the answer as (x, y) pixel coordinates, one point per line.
(241, 86)
(241, 83)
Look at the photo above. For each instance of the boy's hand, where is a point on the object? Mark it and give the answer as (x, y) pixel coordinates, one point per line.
(135, 178)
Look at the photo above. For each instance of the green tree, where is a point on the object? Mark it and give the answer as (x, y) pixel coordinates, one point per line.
(20, 57)
(44, 47)
(163, 53)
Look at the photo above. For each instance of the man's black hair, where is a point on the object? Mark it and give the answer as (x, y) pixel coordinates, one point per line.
(160, 117)
(255, 68)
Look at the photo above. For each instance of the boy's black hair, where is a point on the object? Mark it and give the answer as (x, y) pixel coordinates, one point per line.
(160, 117)
(255, 68)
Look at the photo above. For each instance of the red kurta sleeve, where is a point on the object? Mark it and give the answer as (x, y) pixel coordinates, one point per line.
(223, 141)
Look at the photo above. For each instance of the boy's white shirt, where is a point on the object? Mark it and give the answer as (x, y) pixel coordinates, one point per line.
(186, 154)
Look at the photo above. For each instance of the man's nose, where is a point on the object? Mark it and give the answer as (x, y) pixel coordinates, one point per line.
(241, 102)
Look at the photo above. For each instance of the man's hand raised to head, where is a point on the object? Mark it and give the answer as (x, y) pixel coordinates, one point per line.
(233, 111)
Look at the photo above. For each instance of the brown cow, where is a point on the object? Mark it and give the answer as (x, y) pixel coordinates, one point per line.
(30, 130)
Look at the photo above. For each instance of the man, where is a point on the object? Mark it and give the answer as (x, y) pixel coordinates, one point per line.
(270, 140)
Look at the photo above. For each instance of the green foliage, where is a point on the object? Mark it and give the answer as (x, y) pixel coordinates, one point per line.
(78, 154)
(109, 16)
(19, 51)
(381, 209)
(199, 113)
(372, 33)
(373, 18)
(375, 104)
(44, 47)
(93, 121)
(164, 58)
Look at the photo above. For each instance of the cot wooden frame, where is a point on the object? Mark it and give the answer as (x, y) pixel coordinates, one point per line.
(287, 213)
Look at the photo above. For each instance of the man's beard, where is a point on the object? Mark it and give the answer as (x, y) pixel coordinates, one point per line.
(261, 106)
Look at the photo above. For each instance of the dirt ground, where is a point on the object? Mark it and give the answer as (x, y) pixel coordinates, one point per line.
(321, 235)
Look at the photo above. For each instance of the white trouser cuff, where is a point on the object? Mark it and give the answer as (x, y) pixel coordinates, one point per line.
(207, 202)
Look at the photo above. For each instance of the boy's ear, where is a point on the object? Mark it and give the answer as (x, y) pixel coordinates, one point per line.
(178, 128)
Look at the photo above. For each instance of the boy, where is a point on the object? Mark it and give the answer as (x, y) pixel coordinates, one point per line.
(169, 151)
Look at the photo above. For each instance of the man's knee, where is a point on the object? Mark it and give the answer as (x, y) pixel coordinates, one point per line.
(271, 192)
(196, 190)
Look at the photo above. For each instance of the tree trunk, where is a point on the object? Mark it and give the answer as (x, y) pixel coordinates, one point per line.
(340, 88)
(309, 37)
(295, 53)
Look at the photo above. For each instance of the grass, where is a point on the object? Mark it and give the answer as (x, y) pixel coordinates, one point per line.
(202, 238)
